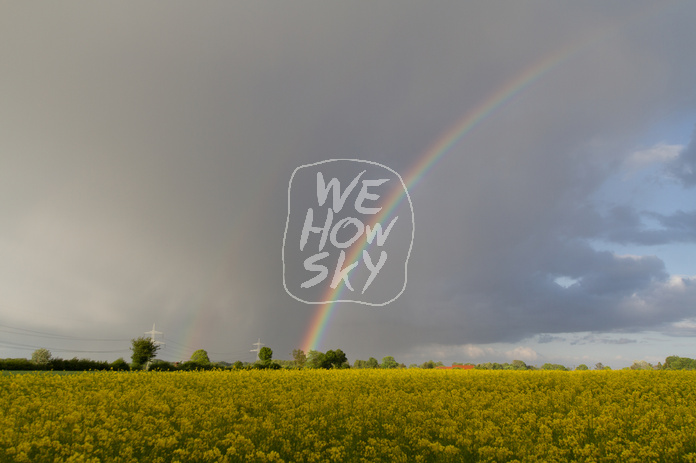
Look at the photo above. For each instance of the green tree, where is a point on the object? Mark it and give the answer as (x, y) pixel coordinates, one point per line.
(518, 365)
(389, 362)
(360, 364)
(641, 365)
(582, 367)
(429, 365)
(41, 356)
(335, 359)
(266, 354)
(299, 356)
(316, 359)
(599, 366)
(490, 366)
(331, 359)
(120, 365)
(372, 363)
(341, 359)
(200, 357)
(144, 350)
(553, 366)
(674, 362)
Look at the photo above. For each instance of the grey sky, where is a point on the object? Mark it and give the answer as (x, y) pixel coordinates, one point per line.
(146, 149)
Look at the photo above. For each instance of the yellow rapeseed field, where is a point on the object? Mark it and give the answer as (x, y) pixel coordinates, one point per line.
(349, 415)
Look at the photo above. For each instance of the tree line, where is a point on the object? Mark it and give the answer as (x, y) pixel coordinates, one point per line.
(144, 352)
(42, 359)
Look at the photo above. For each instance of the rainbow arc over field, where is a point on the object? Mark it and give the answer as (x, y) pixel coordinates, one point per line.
(489, 105)
(442, 145)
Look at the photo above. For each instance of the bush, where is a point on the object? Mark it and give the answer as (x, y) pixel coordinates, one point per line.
(161, 365)
(75, 364)
(17, 364)
(238, 365)
(193, 366)
(120, 365)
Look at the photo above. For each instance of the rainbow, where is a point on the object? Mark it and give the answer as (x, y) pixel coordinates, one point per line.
(443, 144)
(312, 338)
(450, 137)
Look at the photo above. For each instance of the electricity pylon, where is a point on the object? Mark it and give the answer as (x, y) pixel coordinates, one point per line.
(258, 345)
(152, 334)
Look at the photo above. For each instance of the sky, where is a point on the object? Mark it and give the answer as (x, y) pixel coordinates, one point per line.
(548, 149)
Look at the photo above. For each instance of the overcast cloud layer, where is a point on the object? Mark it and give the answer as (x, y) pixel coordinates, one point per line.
(146, 151)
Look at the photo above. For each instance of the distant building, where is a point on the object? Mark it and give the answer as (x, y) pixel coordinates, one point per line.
(457, 367)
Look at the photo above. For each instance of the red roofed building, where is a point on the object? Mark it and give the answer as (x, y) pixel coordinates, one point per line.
(457, 367)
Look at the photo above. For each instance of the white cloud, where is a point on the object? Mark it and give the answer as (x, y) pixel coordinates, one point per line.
(661, 152)
(522, 353)
(687, 324)
(679, 282)
(449, 353)
(474, 351)
(566, 282)
(686, 327)
(471, 353)
(630, 256)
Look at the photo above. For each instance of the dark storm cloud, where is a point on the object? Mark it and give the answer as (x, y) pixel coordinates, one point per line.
(546, 338)
(625, 225)
(608, 295)
(146, 160)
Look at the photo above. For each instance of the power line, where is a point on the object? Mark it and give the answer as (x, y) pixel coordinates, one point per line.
(15, 345)
(169, 341)
(234, 354)
(169, 347)
(26, 332)
(182, 350)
